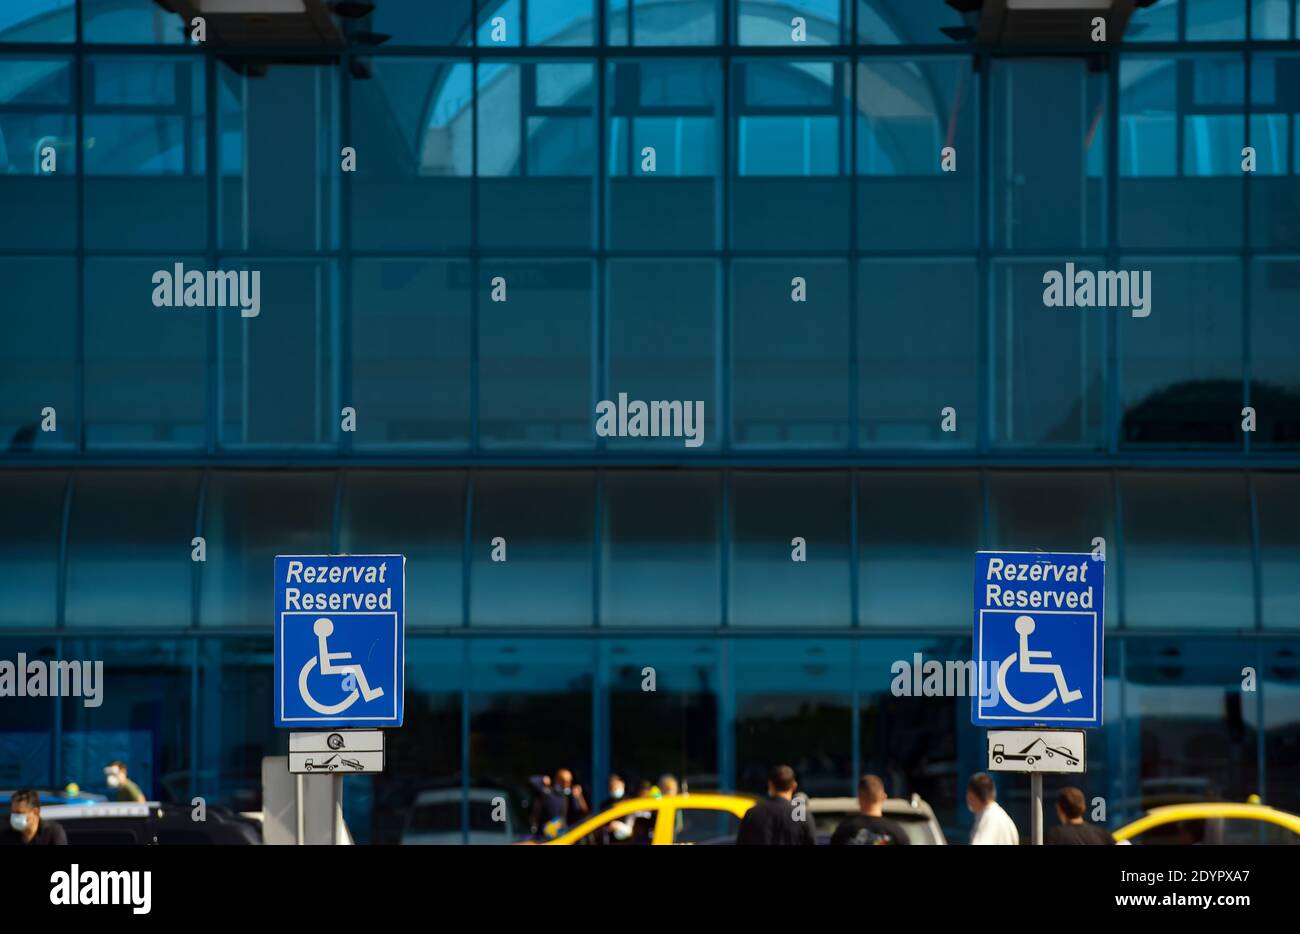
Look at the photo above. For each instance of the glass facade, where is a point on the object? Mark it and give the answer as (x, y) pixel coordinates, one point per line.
(832, 242)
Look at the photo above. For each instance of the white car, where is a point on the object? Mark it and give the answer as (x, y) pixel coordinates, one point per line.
(912, 814)
(435, 818)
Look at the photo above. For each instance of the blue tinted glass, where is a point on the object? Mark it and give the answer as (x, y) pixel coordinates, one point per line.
(889, 22)
(1156, 22)
(1270, 19)
(135, 21)
(1181, 373)
(660, 567)
(411, 188)
(1216, 20)
(561, 22)
(410, 352)
(536, 154)
(664, 22)
(664, 148)
(499, 22)
(917, 347)
(279, 179)
(662, 341)
(39, 21)
(268, 395)
(776, 22)
(38, 153)
(419, 22)
(31, 521)
(1278, 508)
(776, 581)
(535, 369)
(429, 529)
(1047, 116)
(37, 357)
(1187, 551)
(1274, 187)
(908, 112)
(129, 560)
(1049, 363)
(790, 387)
(1274, 370)
(249, 518)
(916, 535)
(145, 139)
(145, 365)
(539, 526)
(27, 730)
(235, 686)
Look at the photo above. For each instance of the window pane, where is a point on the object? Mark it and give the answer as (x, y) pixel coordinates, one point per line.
(279, 181)
(561, 22)
(250, 517)
(1181, 133)
(530, 713)
(1048, 129)
(411, 188)
(38, 355)
(135, 21)
(1278, 507)
(918, 533)
(1274, 335)
(31, 523)
(429, 528)
(908, 112)
(660, 566)
(791, 155)
(27, 730)
(1181, 367)
(546, 523)
(535, 349)
(146, 367)
(1274, 187)
(667, 111)
(144, 719)
(1281, 695)
(794, 706)
(1187, 551)
(410, 352)
(277, 368)
(235, 690)
(129, 549)
(418, 22)
(887, 22)
(1190, 728)
(673, 728)
(1216, 20)
(768, 587)
(664, 22)
(536, 154)
(1054, 512)
(769, 22)
(791, 384)
(917, 347)
(38, 153)
(1049, 386)
(662, 343)
(1270, 19)
(39, 21)
(145, 149)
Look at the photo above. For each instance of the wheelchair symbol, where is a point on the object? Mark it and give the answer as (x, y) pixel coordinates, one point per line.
(354, 678)
(1025, 626)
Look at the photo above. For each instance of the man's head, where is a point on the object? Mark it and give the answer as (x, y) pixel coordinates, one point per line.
(1070, 806)
(781, 782)
(668, 784)
(115, 773)
(564, 781)
(871, 795)
(616, 786)
(25, 811)
(980, 792)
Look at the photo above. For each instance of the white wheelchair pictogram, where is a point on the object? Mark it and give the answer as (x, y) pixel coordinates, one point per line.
(1025, 627)
(354, 678)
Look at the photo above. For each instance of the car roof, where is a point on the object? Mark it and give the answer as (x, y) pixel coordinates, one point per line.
(891, 806)
(1203, 810)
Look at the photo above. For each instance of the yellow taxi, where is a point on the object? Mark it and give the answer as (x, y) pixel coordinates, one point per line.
(1212, 823)
(661, 821)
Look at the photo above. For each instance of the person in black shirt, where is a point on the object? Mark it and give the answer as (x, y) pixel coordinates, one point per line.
(871, 827)
(1073, 831)
(778, 821)
(25, 825)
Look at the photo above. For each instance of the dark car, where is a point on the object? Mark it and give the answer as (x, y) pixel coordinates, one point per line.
(151, 824)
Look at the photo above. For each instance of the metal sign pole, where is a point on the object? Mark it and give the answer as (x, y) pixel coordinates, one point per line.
(301, 817)
(1036, 808)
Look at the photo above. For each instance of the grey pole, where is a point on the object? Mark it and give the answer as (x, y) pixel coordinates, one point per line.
(300, 806)
(1036, 808)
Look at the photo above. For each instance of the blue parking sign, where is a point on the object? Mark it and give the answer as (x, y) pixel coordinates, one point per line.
(340, 631)
(1038, 639)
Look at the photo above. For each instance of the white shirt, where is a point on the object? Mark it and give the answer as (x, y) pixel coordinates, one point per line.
(994, 827)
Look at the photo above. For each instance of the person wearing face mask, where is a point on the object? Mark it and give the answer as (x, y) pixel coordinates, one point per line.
(620, 830)
(25, 825)
(127, 790)
(576, 806)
